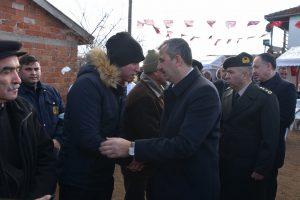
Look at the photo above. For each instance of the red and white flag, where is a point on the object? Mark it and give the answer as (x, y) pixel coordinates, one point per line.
(140, 24)
(252, 23)
(149, 22)
(168, 23)
(230, 24)
(156, 29)
(275, 23)
(188, 23)
(211, 22)
(217, 41)
(297, 25)
(194, 37)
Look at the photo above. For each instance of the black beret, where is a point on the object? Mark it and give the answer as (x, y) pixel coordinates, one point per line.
(122, 49)
(241, 60)
(10, 48)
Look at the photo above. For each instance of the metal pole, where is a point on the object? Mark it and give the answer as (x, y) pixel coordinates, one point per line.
(129, 16)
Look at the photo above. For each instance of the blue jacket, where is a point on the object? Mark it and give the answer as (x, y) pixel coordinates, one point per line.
(49, 107)
(92, 114)
(186, 153)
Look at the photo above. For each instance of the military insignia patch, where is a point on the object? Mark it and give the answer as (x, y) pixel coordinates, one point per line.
(55, 110)
(245, 60)
(266, 90)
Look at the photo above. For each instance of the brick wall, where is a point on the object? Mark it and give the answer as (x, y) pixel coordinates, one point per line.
(53, 43)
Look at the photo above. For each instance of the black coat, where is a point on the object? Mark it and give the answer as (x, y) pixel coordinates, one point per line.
(92, 114)
(48, 104)
(249, 138)
(287, 97)
(186, 154)
(36, 151)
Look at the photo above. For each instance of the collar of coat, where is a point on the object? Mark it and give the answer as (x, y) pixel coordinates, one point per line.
(109, 74)
(157, 89)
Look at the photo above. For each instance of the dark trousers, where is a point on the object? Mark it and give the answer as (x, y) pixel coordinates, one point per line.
(136, 185)
(237, 184)
(272, 185)
(67, 192)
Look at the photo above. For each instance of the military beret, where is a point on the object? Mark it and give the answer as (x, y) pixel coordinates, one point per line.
(10, 48)
(241, 60)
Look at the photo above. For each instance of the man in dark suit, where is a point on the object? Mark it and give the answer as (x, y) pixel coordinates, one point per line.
(249, 133)
(142, 114)
(264, 66)
(186, 153)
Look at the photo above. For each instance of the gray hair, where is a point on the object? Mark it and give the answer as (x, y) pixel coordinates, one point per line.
(178, 46)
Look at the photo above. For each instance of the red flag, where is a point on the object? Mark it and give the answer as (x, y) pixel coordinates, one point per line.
(140, 24)
(194, 37)
(211, 22)
(149, 22)
(251, 23)
(156, 29)
(169, 33)
(217, 41)
(230, 24)
(229, 40)
(250, 37)
(210, 37)
(182, 35)
(263, 35)
(168, 23)
(275, 23)
(188, 23)
(238, 40)
(297, 25)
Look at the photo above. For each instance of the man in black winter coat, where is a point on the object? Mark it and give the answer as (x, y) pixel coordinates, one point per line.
(186, 153)
(93, 112)
(264, 67)
(27, 161)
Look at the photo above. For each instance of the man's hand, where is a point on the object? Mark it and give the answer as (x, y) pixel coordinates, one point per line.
(56, 144)
(46, 197)
(256, 176)
(115, 147)
(135, 166)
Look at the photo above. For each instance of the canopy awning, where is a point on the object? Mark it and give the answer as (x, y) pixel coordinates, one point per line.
(290, 58)
(212, 61)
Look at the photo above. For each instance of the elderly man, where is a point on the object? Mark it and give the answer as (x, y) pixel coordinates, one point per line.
(141, 120)
(264, 66)
(186, 153)
(27, 162)
(93, 111)
(249, 133)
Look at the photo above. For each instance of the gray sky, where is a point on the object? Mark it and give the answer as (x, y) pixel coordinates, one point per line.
(200, 11)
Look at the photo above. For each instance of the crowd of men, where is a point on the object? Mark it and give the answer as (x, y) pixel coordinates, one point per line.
(176, 135)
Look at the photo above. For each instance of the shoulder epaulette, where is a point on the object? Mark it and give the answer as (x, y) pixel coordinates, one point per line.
(266, 90)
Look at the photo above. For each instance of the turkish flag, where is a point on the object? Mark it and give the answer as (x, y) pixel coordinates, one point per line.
(188, 23)
(230, 24)
(250, 23)
(149, 22)
(297, 25)
(211, 22)
(168, 23)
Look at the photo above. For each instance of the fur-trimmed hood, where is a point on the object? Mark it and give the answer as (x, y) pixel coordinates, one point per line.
(109, 74)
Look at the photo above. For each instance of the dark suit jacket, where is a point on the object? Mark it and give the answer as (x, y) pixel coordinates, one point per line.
(287, 97)
(249, 129)
(186, 153)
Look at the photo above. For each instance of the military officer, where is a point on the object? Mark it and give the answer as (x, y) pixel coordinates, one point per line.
(249, 133)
